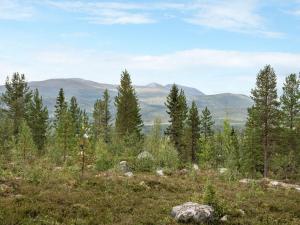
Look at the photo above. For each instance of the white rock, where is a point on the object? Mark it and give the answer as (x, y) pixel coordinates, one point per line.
(193, 212)
(123, 167)
(160, 172)
(297, 188)
(246, 181)
(128, 174)
(224, 218)
(145, 155)
(223, 170)
(195, 167)
(242, 212)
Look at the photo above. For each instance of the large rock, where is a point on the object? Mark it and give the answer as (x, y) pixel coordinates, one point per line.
(193, 212)
(160, 173)
(123, 167)
(145, 155)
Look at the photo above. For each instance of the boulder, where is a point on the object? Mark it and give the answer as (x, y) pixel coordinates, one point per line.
(183, 171)
(160, 173)
(224, 218)
(128, 174)
(145, 155)
(195, 167)
(242, 212)
(123, 167)
(223, 170)
(193, 212)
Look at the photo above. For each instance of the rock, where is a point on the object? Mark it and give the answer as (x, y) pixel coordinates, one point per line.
(143, 184)
(145, 155)
(247, 181)
(223, 170)
(224, 218)
(5, 188)
(242, 212)
(195, 167)
(58, 168)
(183, 171)
(19, 197)
(160, 173)
(193, 212)
(297, 188)
(128, 174)
(90, 166)
(124, 167)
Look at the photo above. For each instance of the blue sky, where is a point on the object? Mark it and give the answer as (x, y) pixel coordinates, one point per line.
(215, 46)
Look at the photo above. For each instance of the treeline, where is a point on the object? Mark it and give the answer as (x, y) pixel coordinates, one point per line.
(268, 146)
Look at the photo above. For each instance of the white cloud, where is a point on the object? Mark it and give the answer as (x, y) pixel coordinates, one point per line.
(212, 71)
(15, 10)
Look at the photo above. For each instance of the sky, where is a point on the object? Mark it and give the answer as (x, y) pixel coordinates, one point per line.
(215, 46)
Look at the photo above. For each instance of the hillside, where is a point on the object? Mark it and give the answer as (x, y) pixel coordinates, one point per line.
(151, 97)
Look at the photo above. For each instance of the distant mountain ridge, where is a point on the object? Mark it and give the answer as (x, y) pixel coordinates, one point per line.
(151, 97)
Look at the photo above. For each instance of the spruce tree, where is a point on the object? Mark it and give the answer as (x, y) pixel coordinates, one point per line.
(193, 131)
(206, 124)
(25, 142)
(75, 114)
(177, 110)
(38, 121)
(60, 106)
(266, 107)
(98, 114)
(106, 117)
(128, 118)
(16, 98)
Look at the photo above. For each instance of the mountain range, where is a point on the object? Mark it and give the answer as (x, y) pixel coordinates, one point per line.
(151, 98)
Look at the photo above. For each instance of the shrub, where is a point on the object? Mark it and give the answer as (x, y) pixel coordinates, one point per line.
(104, 159)
(166, 155)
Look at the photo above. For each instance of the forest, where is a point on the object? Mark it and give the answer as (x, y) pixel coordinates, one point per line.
(81, 156)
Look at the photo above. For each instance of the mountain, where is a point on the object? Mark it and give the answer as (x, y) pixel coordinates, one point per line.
(152, 98)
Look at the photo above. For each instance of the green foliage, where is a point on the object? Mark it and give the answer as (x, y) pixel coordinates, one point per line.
(177, 111)
(25, 144)
(60, 106)
(193, 133)
(6, 135)
(38, 121)
(16, 98)
(76, 114)
(206, 124)
(128, 118)
(104, 159)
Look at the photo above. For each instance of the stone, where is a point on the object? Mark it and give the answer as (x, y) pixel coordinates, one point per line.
(223, 170)
(224, 218)
(247, 181)
(242, 212)
(193, 212)
(128, 174)
(145, 155)
(195, 167)
(160, 173)
(143, 184)
(183, 171)
(5, 188)
(124, 167)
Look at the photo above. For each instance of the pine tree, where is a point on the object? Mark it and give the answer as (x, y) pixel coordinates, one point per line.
(128, 118)
(38, 121)
(266, 107)
(60, 106)
(177, 110)
(206, 124)
(17, 98)
(98, 115)
(65, 133)
(193, 130)
(106, 117)
(75, 114)
(290, 101)
(25, 141)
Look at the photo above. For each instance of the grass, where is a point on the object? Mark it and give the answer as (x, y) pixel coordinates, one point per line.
(39, 194)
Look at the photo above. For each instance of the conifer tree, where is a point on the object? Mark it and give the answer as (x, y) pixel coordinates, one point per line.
(177, 110)
(206, 124)
(98, 115)
(60, 106)
(25, 141)
(38, 121)
(17, 98)
(193, 131)
(106, 117)
(128, 118)
(65, 139)
(266, 107)
(75, 114)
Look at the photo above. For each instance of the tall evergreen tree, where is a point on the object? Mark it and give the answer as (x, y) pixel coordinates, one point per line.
(98, 119)
(193, 131)
(60, 106)
(128, 118)
(266, 107)
(38, 121)
(75, 114)
(17, 98)
(206, 124)
(177, 110)
(106, 117)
